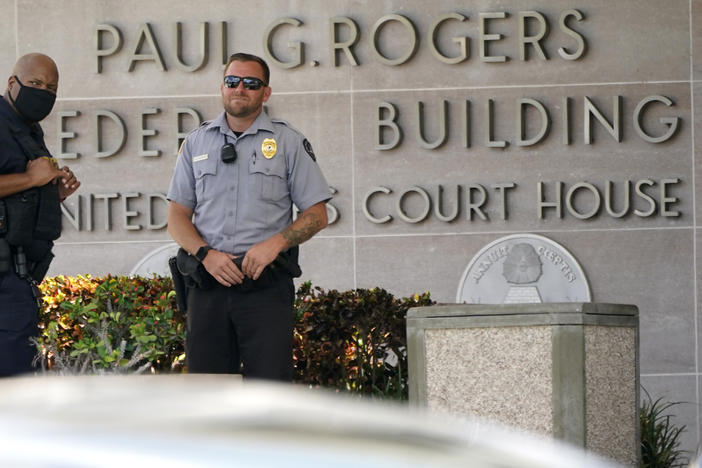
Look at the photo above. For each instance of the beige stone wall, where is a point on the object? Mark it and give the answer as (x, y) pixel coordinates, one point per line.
(635, 49)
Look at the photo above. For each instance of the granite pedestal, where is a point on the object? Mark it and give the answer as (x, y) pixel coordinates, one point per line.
(566, 370)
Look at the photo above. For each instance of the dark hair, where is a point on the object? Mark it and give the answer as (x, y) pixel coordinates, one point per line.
(244, 57)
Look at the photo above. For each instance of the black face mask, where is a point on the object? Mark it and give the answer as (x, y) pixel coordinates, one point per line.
(33, 104)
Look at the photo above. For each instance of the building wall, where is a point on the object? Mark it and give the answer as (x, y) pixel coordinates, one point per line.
(634, 49)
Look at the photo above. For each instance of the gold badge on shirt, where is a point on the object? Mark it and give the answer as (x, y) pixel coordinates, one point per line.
(268, 148)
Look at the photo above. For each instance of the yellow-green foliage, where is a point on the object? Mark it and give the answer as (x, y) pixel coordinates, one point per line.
(112, 323)
(351, 341)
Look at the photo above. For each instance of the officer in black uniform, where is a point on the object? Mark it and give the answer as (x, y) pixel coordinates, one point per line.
(31, 189)
(231, 200)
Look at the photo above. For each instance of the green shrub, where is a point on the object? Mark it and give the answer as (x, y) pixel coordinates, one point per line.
(110, 324)
(353, 341)
(660, 439)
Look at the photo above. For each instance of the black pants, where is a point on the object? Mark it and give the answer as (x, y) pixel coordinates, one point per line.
(18, 323)
(230, 331)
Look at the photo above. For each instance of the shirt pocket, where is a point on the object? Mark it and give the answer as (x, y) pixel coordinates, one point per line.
(205, 172)
(269, 178)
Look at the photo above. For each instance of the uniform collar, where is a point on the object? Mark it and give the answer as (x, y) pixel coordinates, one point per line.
(262, 122)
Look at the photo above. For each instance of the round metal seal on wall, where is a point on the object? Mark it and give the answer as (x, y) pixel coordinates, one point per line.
(523, 268)
(155, 262)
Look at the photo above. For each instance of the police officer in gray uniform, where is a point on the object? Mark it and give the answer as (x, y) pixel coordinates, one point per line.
(230, 207)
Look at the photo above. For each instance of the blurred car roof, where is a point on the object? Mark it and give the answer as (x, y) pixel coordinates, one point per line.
(211, 421)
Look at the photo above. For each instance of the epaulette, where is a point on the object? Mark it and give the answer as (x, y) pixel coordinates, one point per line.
(206, 122)
(284, 122)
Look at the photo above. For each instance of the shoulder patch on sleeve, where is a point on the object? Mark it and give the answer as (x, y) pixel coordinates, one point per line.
(308, 147)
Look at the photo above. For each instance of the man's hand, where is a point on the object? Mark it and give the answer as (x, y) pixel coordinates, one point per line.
(41, 171)
(221, 266)
(261, 255)
(307, 224)
(67, 183)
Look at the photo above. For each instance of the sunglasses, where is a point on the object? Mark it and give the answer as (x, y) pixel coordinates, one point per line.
(250, 82)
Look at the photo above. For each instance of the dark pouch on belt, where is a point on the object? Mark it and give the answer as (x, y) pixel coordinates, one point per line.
(41, 267)
(179, 285)
(21, 212)
(48, 225)
(5, 257)
(194, 274)
(3, 219)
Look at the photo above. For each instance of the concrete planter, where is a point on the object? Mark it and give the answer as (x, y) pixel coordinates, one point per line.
(566, 370)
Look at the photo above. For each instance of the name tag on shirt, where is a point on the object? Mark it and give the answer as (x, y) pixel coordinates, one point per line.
(201, 157)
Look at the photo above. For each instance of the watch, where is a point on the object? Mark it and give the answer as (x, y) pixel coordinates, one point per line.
(202, 252)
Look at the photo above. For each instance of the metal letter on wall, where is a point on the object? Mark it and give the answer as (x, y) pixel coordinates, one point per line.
(63, 135)
(147, 132)
(223, 42)
(502, 190)
(388, 122)
(651, 202)
(178, 47)
(145, 35)
(463, 42)
(121, 138)
(545, 121)
(423, 213)
(566, 120)
(595, 204)
(671, 122)
(466, 123)
(366, 200)
(97, 40)
(438, 210)
(665, 199)
(73, 219)
(580, 51)
(609, 200)
(345, 46)
(484, 37)
(613, 129)
(107, 212)
(541, 203)
(442, 122)
(127, 213)
(533, 40)
(476, 207)
(297, 47)
(151, 223)
(413, 43)
(489, 123)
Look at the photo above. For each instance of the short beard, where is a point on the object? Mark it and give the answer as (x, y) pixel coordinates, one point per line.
(241, 110)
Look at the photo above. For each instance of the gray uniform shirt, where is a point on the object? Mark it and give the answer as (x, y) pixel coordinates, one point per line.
(239, 204)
